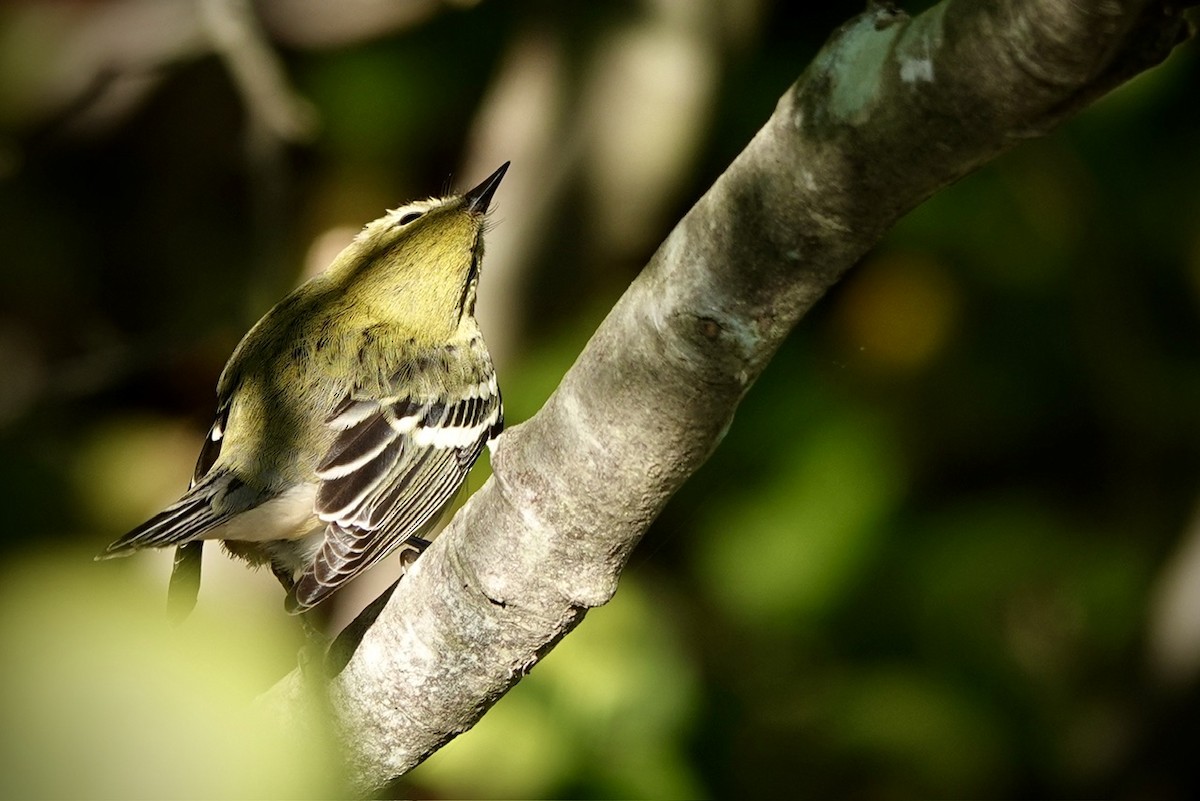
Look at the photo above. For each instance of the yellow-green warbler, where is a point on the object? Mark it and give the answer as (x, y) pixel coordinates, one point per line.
(348, 417)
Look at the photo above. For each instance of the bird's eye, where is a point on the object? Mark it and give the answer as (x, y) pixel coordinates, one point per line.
(407, 218)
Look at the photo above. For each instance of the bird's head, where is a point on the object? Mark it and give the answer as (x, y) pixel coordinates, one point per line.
(419, 264)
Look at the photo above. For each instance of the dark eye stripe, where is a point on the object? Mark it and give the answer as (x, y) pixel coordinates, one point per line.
(407, 218)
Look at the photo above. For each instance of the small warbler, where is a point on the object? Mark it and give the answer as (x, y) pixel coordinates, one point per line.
(348, 417)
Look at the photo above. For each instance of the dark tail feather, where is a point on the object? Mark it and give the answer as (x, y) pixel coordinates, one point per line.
(179, 523)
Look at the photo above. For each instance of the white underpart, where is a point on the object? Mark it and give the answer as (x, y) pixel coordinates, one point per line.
(287, 516)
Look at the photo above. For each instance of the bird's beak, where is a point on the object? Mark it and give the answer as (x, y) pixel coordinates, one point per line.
(477, 199)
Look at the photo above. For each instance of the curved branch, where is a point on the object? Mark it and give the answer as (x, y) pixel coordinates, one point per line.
(274, 110)
(891, 110)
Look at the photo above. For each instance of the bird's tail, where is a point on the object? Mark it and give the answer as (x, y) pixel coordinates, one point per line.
(185, 520)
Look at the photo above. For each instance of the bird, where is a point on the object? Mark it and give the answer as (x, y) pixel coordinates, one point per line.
(348, 416)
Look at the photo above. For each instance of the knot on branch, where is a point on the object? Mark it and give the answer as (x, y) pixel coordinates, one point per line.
(718, 347)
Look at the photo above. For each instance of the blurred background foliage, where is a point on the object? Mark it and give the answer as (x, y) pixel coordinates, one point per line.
(949, 546)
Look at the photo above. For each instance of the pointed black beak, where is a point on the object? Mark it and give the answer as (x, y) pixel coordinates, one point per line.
(477, 199)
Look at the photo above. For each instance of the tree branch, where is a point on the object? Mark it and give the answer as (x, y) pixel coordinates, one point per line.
(891, 110)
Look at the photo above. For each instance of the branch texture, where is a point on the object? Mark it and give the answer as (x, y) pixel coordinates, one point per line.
(891, 110)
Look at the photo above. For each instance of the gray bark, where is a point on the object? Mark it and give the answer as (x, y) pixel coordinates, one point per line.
(891, 110)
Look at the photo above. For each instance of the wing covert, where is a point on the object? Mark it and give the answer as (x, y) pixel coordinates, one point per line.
(392, 468)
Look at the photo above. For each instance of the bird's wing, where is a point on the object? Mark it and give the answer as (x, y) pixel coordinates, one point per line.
(184, 586)
(211, 449)
(394, 465)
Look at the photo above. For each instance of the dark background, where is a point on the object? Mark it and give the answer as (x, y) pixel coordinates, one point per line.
(950, 545)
